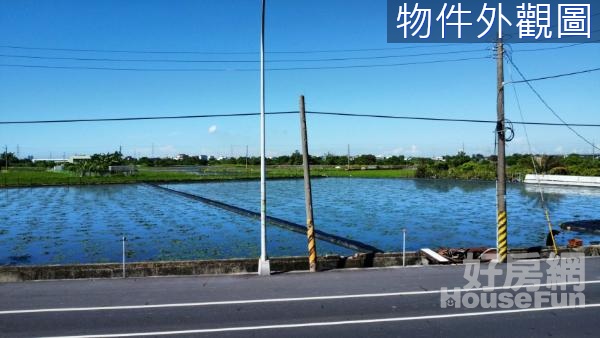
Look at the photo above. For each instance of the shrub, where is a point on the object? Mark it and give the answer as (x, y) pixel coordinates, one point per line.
(559, 171)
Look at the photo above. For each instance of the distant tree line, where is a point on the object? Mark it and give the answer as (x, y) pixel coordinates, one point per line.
(518, 165)
(461, 165)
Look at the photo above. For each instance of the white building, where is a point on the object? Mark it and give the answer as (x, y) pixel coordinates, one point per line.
(72, 159)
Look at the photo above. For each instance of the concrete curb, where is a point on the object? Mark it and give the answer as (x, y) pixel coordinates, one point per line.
(200, 267)
(224, 266)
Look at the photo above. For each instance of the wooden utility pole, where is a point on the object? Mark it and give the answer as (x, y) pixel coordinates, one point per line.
(502, 239)
(310, 224)
(6, 157)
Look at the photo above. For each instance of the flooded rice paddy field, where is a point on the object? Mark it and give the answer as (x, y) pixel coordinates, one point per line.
(85, 224)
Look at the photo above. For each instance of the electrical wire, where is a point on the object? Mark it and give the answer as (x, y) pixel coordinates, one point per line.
(241, 69)
(140, 118)
(444, 119)
(555, 76)
(545, 103)
(83, 50)
(555, 47)
(198, 52)
(377, 57)
(539, 183)
(174, 117)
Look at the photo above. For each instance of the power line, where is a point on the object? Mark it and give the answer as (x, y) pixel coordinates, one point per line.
(220, 52)
(382, 65)
(377, 57)
(541, 190)
(554, 76)
(438, 119)
(240, 69)
(539, 96)
(173, 117)
(555, 47)
(138, 118)
(200, 52)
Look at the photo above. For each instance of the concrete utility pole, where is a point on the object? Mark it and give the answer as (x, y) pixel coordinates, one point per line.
(501, 235)
(264, 268)
(310, 224)
(6, 157)
(246, 157)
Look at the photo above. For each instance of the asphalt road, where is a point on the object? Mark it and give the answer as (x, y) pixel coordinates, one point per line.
(369, 302)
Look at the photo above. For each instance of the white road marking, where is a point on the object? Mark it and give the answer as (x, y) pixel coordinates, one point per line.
(280, 300)
(337, 323)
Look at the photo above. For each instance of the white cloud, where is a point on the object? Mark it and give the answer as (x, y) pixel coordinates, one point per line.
(212, 129)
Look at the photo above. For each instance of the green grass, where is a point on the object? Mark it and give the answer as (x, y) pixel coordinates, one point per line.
(23, 178)
(32, 178)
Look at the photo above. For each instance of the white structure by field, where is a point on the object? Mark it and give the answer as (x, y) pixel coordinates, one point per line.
(71, 159)
(582, 181)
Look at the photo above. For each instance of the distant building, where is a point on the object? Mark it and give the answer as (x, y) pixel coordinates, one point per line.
(77, 158)
(72, 159)
(180, 157)
(203, 157)
(55, 160)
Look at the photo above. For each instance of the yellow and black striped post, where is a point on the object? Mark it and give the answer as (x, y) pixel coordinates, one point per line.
(502, 237)
(310, 224)
(312, 246)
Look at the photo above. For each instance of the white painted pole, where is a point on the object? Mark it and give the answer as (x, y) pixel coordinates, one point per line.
(264, 268)
(124, 239)
(404, 247)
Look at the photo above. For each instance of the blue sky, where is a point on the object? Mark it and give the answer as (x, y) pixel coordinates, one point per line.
(463, 89)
